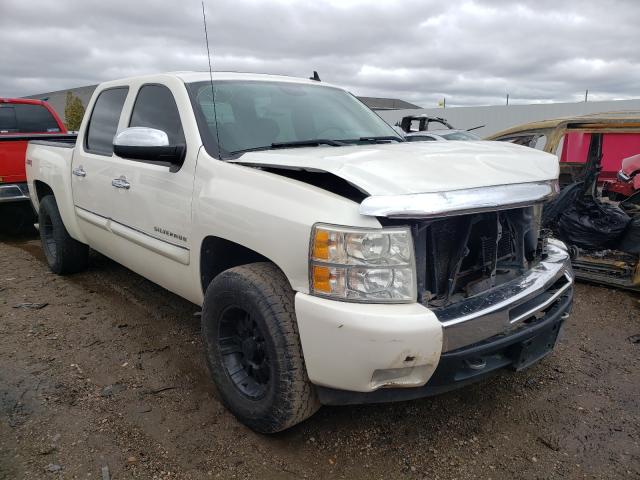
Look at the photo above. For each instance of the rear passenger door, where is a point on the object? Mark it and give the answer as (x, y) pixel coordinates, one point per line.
(158, 195)
(94, 166)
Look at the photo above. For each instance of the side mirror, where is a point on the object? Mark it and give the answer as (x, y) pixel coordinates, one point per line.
(150, 144)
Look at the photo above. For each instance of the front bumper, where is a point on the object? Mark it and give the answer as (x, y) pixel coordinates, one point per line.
(473, 363)
(362, 347)
(352, 350)
(13, 192)
(505, 309)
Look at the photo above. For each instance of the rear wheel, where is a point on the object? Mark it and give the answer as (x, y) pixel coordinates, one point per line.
(253, 348)
(63, 253)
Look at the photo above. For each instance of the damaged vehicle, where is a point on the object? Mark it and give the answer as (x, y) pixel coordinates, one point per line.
(569, 138)
(335, 263)
(627, 181)
(415, 128)
(603, 233)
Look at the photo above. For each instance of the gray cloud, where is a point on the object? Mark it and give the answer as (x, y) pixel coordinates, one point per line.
(419, 50)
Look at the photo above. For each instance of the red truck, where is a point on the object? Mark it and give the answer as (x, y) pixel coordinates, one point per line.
(21, 120)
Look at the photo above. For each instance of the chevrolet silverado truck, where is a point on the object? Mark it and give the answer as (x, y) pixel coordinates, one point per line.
(335, 263)
(21, 120)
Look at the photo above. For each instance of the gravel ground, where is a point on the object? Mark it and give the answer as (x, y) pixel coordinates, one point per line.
(110, 373)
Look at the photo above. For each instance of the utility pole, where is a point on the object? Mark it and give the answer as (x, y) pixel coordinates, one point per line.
(586, 95)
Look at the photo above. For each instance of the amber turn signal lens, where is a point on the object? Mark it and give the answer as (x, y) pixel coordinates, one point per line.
(321, 245)
(322, 279)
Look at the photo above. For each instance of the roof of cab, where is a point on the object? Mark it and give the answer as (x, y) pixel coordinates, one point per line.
(22, 100)
(190, 77)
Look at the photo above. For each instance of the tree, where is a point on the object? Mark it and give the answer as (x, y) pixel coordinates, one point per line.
(73, 112)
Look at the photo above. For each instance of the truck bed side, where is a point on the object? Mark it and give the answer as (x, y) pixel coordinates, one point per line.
(48, 165)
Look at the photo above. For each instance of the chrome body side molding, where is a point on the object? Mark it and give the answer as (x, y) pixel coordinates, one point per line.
(167, 249)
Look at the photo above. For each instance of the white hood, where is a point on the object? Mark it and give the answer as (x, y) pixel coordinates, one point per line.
(418, 167)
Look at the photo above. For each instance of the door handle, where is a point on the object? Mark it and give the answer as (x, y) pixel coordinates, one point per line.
(79, 172)
(121, 182)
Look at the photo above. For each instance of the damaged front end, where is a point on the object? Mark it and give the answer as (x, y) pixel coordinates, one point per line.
(498, 285)
(484, 265)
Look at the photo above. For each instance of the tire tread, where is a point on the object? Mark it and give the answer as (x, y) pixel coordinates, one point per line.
(276, 297)
(72, 256)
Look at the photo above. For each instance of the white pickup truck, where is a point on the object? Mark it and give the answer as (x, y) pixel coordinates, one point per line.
(335, 263)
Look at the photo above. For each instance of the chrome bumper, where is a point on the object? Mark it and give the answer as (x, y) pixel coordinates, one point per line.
(511, 306)
(14, 192)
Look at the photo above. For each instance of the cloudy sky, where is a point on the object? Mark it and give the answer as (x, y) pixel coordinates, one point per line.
(471, 52)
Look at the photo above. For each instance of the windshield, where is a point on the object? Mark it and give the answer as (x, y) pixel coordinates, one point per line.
(459, 136)
(255, 115)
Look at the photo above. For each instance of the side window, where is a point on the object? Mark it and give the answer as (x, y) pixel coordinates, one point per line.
(533, 140)
(540, 142)
(103, 123)
(156, 108)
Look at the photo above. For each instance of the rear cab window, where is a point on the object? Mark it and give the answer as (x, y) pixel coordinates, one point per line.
(26, 118)
(103, 123)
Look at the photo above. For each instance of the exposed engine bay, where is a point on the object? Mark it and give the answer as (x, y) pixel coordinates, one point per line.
(461, 256)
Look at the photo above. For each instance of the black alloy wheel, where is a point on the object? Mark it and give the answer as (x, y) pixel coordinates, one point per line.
(242, 345)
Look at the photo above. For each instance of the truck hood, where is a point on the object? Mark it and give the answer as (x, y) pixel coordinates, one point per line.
(417, 167)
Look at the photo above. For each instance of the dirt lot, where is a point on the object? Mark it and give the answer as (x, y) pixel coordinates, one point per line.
(111, 373)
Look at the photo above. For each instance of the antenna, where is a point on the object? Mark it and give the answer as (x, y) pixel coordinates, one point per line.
(213, 92)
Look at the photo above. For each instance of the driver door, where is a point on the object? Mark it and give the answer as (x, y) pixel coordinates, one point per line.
(156, 195)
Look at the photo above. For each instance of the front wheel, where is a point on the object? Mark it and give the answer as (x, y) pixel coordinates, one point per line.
(253, 348)
(63, 253)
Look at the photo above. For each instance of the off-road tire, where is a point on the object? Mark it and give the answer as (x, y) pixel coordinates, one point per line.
(64, 254)
(262, 290)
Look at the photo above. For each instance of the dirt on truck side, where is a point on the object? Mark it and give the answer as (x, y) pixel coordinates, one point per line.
(104, 372)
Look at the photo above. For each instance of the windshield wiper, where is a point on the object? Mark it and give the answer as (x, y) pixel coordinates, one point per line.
(296, 143)
(381, 139)
(308, 143)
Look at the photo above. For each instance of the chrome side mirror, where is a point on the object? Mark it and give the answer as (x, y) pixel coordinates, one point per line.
(141, 137)
(147, 144)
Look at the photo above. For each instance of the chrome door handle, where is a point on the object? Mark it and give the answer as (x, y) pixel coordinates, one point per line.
(79, 172)
(121, 182)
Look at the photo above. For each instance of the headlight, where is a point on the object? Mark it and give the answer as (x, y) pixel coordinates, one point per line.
(362, 265)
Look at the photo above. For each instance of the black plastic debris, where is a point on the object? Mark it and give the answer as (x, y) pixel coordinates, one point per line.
(592, 225)
(630, 241)
(578, 216)
(556, 207)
